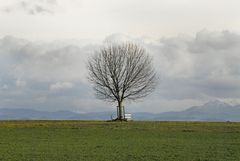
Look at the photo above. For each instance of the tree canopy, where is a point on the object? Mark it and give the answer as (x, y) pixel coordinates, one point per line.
(121, 72)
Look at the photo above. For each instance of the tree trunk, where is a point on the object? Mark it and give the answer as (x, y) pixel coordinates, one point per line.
(120, 110)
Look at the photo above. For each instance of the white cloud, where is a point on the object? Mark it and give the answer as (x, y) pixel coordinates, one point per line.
(4, 87)
(20, 83)
(60, 86)
(79, 18)
(44, 61)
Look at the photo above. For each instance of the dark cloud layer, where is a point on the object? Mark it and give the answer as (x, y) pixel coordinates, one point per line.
(49, 76)
(52, 76)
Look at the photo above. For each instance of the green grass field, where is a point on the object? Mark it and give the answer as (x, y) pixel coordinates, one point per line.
(116, 141)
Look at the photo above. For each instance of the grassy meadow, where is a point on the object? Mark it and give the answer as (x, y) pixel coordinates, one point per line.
(116, 141)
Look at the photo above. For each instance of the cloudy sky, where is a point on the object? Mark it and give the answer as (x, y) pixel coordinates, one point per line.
(44, 45)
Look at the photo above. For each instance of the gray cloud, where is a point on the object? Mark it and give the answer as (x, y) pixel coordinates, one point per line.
(45, 76)
(205, 65)
(52, 76)
(32, 7)
(60, 86)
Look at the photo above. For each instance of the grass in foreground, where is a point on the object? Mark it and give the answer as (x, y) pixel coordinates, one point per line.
(116, 141)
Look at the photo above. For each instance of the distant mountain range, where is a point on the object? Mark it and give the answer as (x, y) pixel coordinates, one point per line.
(211, 111)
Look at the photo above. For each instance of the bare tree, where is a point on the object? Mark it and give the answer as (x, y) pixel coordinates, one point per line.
(121, 72)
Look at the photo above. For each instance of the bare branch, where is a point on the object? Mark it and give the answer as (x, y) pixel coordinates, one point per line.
(122, 71)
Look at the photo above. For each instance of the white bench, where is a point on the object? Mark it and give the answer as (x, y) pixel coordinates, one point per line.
(128, 116)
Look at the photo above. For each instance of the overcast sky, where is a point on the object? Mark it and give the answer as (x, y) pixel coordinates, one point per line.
(44, 45)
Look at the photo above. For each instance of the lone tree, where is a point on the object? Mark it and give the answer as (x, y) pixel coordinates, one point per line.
(121, 72)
